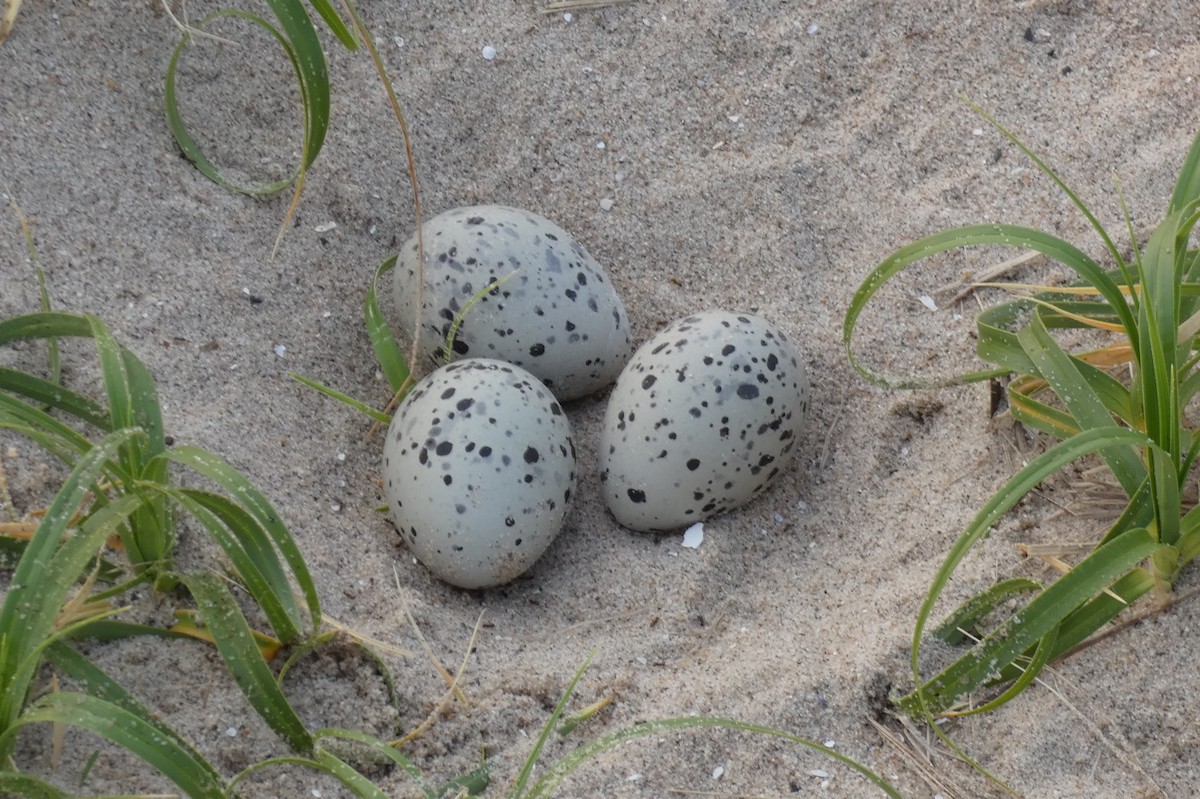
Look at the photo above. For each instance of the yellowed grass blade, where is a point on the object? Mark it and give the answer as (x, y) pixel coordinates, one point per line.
(11, 7)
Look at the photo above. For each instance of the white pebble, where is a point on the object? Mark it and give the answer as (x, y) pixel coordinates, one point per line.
(600, 145)
(280, 350)
(819, 773)
(606, 204)
(693, 537)
(811, 29)
(231, 732)
(718, 772)
(325, 227)
(567, 17)
(928, 302)
(489, 52)
(399, 40)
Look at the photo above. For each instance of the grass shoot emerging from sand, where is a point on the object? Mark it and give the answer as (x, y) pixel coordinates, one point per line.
(1124, 401)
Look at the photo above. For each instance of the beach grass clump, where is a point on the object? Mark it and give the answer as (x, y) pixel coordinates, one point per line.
(1124, 399)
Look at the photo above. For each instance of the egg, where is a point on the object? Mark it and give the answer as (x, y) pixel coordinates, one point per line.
(705, 415)
(558, 315)
(479, 469)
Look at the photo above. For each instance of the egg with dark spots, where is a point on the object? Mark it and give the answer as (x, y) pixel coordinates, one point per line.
(546, 304)
(704, 417)
(479, 471)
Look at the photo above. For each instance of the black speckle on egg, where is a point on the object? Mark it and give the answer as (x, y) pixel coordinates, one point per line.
(444, 448)
(537, 349)
(531, 455)
(648, 381)
(747, 391)
(693, 464)
(636, 496)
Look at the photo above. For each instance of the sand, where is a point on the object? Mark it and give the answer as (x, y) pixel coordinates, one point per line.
(761, 156)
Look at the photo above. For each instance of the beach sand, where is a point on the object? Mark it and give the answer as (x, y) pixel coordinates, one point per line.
(760, 156)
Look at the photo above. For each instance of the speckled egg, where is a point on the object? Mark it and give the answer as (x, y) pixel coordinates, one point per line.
(479, 468)
(702, 419)
(558, 316)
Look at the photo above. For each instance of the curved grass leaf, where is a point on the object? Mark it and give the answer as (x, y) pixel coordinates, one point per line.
(51, 564)
(1077, 394)
(300, 43)
(96, 683)
(345, 399)
(964, 622)
(250, 552)
(391, 361)
(1045, 168)
(1008, 235)
(1041, 617)
(257, 505)
(166, 753)
(51, 394)
(245, 662)
(383, 749)
(27, 787)
(1000, 503)
(335, 23)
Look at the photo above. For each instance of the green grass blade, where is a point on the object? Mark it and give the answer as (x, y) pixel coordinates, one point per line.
(250, 552)
(327, 12)
(1000, 503)
(51, 394)
(50, 566)
(348, 776)
(96, 683)
(391, 361)
(245, 662)
(253, 501)
(1187, 186)
(1045, 168)
(1022, 676)
(193, 152)
(134, 733)
(964, 622)
(133, 403)
(558, 772)
(312, 72)
(1039, 618)
(345, 399)
(1085, 406)
(518, 791)
(27, 787)
(1008, 235)
(60, 439)
(381, 748)
(52, 324)
(1101, 609)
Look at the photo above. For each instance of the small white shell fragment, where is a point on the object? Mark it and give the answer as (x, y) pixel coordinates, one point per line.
(489, 53)
(280, 350)
(600, 145)
(928, 302)
(718, 772)
(819, 773)
(325, 227)
(812, 29)
(567, 16)
(693, 537)
(399, 40)
(606, 204)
